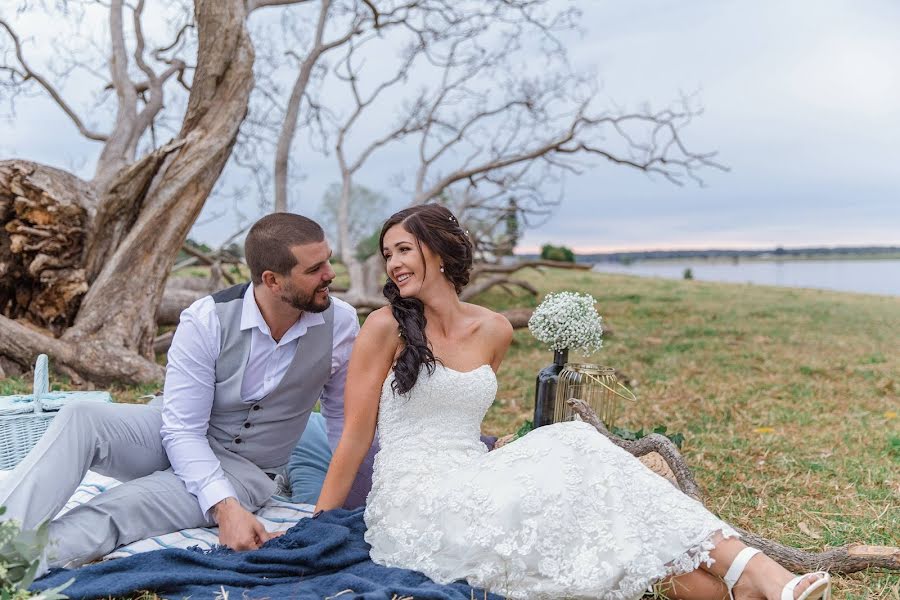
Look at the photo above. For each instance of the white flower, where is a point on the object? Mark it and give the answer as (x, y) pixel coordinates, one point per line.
(568, 320)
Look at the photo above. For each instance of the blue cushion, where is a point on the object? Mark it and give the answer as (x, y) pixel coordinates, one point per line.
(309, 462)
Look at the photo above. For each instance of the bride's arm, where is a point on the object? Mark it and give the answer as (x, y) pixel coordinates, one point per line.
(499, 333)
(371, 359)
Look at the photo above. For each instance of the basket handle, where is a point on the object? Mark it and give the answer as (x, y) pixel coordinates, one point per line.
(41, 380)
(630, 397)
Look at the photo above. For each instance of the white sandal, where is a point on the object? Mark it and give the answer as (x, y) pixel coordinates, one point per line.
(818, 590)
(737, 568)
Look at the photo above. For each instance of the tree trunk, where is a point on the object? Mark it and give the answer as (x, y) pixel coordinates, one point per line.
(366, 281)
(132, 237)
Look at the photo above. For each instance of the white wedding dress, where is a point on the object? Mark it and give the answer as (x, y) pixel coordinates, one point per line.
(559, 513)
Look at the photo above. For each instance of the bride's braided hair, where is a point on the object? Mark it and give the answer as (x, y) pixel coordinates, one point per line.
(436, 227)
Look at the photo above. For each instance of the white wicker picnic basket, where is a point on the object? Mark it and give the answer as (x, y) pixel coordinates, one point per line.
(25, 417)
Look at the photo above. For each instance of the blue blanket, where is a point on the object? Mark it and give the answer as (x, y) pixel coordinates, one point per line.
(315, 559)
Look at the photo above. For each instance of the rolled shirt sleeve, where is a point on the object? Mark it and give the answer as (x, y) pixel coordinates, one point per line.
(187, 404)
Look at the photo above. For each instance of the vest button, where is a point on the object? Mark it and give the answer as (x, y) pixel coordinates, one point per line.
(238, 440)
(247, 425)
(256, 407)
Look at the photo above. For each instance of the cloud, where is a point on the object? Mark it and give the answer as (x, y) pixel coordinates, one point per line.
(800, 102)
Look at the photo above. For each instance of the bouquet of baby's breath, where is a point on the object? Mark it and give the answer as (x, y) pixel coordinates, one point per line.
(568, 320)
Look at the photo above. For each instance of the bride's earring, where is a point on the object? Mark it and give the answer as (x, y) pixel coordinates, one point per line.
(442, 268)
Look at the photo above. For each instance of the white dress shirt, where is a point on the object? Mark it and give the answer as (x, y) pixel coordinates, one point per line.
(191, 376)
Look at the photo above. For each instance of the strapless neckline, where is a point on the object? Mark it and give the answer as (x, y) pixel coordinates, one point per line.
(452, 370)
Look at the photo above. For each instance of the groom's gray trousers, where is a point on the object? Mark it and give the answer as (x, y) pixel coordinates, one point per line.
(118, 440)
(252, 440)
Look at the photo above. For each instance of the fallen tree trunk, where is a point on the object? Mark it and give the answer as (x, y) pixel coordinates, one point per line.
(45, 213)
(482, 268)
(500, 275)
(847, 559)
(173, 302)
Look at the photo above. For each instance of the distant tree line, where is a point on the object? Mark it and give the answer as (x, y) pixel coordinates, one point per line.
(778, 253)
(560, 253)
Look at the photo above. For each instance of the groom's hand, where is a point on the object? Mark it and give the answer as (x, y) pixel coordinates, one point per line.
(238, 528)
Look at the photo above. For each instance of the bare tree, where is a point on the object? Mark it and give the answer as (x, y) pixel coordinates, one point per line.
(363, 273)
(488, 129)
(87, 261)
(360, 17)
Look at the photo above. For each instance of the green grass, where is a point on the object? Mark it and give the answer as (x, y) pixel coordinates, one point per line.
(788, 399)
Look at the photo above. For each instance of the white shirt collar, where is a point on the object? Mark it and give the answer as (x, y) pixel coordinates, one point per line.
(252, 317)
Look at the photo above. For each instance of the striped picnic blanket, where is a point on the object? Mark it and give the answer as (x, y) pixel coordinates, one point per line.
(277, 515)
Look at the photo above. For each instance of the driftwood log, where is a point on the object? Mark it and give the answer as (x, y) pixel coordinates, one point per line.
(846, 559)
(485, 276)
(180, 292)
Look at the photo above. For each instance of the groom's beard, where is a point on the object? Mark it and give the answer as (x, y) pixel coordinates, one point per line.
(307, 302)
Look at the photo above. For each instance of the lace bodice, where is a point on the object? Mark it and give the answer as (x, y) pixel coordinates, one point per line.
(443, 413)
(560, 513)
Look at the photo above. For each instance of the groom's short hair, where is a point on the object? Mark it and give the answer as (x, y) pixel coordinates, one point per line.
(268, 245)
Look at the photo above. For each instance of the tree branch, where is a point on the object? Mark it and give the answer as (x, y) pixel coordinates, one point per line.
(118, 65)
(29, 73)
(473, 290)
(255, 4)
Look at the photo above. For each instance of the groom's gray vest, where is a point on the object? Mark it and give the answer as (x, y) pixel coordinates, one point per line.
(264, 432)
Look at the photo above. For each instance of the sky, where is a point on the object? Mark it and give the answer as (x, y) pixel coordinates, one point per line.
(801, 101)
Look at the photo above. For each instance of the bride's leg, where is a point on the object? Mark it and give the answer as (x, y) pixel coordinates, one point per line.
(763, 578)
(696, 585)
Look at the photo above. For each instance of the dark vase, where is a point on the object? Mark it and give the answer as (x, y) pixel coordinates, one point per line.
(545, 389)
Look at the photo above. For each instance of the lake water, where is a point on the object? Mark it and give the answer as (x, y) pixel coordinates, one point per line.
(864, 276)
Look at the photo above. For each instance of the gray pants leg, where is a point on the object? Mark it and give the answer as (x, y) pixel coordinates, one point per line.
(152, 505)
(117, 440)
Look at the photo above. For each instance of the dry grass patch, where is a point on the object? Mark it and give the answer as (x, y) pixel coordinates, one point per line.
(788, 400)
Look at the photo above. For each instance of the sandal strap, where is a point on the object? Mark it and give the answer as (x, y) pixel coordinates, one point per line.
(787, 593)
(737, 567)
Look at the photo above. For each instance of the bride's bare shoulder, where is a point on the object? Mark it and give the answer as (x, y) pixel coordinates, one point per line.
(491, 323)
(381, 322)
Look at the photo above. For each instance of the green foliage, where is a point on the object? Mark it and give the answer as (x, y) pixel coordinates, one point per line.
(688, 273)
(628, 434)
(200, 246)
(20, 556)
(507, 240)
(560, 253)
(368, 246)
(234, 249)
(525, 428)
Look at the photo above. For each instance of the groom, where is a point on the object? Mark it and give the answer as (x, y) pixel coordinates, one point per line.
(245, 369)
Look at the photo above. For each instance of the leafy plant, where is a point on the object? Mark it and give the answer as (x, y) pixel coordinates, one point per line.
(20, 558)
(560, 253)
(628, 434)
(525, 428)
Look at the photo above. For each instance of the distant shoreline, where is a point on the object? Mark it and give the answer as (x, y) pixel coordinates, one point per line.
(723, 255)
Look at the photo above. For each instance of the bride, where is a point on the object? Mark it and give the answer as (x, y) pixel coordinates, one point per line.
(560, 513)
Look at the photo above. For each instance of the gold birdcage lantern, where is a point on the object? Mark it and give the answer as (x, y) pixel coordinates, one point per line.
(597, 386)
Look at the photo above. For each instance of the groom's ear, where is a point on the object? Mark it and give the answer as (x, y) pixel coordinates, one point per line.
(271, 280)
